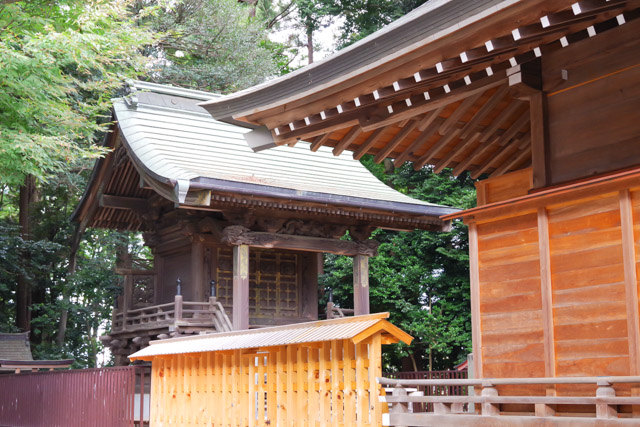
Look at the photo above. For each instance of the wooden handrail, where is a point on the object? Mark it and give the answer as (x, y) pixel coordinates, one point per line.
(488, 382)
(447, 410)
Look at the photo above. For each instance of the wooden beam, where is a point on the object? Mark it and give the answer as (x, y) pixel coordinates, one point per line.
(431, 152)
(499, 120)
(319, 141)
(429, 118)
(120, 202)
(630, 280)
(546, 293)
(369, 143)
(418, 142)
(452, 120)
(397, 140)
(458, 149)
(513, 162)
(237, 235)
(347, 140)
(240, 287)
(361, 285)
(488, 107)
(497, 157)
(371, 122)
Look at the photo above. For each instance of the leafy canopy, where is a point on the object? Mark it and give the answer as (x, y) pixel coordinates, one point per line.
(58, 72)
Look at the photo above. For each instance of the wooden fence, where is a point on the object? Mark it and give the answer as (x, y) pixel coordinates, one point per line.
(560, 402)
(317, 384)
(432, 390)
(84, 397)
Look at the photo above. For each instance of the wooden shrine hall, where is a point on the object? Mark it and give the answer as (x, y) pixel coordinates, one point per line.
(540, 99)
(237, 237)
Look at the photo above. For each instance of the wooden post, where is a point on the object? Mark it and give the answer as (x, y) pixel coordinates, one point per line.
(399, 407)
(604, 410)
(361, 285)
(489, 409)
(474, 273)
(197, 269)
(240, 287)
(178, 307)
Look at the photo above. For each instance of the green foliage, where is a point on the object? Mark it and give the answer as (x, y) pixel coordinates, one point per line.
(212, 45)
(421, 277)
(364, 17)
(57, 75)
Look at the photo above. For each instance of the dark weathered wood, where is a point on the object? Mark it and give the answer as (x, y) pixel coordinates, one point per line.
(240, 287)
(361, 285)
(237, 235)
(308, 277)
(119, 202)
(197, 269)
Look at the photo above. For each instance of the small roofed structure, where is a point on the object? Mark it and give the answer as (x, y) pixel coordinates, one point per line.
(15, 355)
(202, 198)
(319, 373)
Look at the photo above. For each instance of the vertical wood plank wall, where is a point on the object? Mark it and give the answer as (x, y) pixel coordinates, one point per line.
(324, 384)
(558, 286)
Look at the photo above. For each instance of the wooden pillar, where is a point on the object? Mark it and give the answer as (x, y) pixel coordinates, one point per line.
(546, 293)
(525, 82)
(240, 287)
(361, 285)
(474, 272)
(308, 279)
(630, 281)
(197, 269)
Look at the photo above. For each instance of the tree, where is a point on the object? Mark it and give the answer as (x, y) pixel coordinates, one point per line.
(421, 277)
(212, 45)
(59, 70)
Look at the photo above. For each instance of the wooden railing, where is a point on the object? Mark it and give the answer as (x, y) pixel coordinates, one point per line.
(484, 407)
(334, 312)
(436, 390)
(178, 313)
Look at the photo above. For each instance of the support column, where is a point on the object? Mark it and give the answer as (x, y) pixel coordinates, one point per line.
(240, 287)
(197, 269)
(361, 284)
(474, 273)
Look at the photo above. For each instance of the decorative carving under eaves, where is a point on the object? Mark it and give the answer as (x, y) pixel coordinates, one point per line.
(300, 227)
(368, 247)
(236, 235)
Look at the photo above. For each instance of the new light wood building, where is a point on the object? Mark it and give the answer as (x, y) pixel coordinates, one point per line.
(540, 99)
(242, 232)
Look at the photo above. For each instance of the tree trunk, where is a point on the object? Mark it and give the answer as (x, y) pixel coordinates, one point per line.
(310, 44)
(28, 195)
(73, 260)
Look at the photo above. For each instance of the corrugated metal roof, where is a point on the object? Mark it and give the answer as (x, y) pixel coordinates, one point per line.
(323, 330)
(186, 143)
(429, 22)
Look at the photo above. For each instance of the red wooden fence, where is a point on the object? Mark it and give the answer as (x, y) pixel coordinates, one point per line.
(83, 397)
(432, 390)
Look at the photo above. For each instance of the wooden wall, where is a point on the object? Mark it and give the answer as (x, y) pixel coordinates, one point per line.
(592, 92)
(555, 281)
(322, 384)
